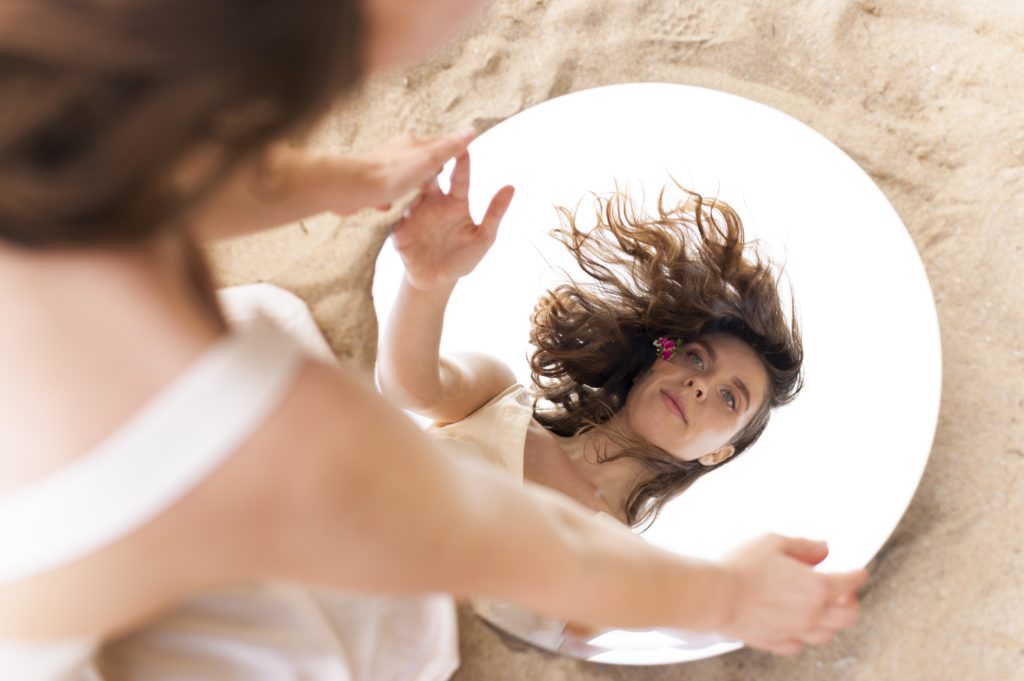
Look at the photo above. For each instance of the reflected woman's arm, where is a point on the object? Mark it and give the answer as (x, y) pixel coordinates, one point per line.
(414, 375)
(439, 243)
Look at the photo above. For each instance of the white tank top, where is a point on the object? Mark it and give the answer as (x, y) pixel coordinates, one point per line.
(262, 631)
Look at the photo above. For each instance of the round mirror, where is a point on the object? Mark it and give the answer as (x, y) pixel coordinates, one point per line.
(842, 462)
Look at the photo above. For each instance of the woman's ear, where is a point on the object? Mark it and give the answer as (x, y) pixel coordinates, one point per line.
(717, 456)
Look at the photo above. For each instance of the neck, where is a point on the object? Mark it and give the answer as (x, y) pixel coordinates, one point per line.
(613, 481)
(50, 282)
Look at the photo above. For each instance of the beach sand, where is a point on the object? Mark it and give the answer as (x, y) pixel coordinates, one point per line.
(927, 96)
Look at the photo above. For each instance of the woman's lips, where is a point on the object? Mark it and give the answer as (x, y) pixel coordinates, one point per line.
(675, 405)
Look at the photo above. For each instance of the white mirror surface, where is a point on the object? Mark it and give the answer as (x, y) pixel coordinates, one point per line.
(842, 462)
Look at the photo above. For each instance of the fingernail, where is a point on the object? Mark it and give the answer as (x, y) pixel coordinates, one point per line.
(467, 132)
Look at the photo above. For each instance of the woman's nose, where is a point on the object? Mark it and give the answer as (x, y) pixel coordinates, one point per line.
(699, 389)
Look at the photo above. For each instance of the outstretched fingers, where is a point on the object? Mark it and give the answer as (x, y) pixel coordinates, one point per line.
(805, 550)
(496, 211)
(431, 186)
(460, 177)
(787, 648)
(844, 585)
(840, 615)
(441, 150)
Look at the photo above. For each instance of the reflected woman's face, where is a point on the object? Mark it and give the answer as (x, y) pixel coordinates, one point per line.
(693, 404)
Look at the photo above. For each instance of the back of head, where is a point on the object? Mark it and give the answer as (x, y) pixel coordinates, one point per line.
(107, 102)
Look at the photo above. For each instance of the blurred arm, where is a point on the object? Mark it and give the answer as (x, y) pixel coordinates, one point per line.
(285, 184)
(381, 508)
(339, 489)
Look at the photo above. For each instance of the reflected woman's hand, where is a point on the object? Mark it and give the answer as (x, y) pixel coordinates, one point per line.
(438, 240)
(782, 604)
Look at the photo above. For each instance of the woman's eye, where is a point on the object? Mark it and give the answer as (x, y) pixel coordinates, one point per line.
(696, 360)
(730, 399)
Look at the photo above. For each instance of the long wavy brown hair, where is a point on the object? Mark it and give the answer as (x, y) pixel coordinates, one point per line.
(686, 272)
(104, 102)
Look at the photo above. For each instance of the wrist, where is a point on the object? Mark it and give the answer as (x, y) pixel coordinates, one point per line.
(296, 181)
(334, 183)
(711, 597)
(727, 589)
(439, 288)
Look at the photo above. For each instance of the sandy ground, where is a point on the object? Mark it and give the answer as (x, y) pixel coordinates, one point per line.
(928, 98)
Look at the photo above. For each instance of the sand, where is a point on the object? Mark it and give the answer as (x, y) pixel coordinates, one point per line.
(928, 98)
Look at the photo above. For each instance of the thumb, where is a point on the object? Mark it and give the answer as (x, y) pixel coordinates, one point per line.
(805, 550)
(842, 585)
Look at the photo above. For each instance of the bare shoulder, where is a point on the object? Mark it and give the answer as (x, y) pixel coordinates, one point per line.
(232, 527)
(87, 339)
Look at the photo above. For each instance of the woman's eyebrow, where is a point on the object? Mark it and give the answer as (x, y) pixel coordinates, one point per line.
(708, 349)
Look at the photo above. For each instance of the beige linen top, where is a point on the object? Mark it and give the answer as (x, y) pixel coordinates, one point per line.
(496, 433)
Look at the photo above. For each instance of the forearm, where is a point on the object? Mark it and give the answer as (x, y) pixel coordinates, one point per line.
(536, 548)
(625, 582)
(283, 186)
(388, 510)
(409, 363)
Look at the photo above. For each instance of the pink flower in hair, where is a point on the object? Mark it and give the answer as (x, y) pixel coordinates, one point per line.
(667, 347)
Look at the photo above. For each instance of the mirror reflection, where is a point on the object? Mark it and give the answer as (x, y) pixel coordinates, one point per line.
(664, 364)
(615, 334)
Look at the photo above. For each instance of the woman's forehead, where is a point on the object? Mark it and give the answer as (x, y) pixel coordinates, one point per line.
(725, 344)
